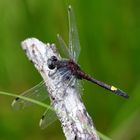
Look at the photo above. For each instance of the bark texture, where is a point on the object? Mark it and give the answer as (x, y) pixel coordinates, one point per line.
(66, 100)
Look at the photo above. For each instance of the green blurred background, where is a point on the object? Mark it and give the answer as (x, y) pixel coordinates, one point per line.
(109, 33)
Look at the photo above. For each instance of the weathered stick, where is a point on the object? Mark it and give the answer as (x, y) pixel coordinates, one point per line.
(75, 121)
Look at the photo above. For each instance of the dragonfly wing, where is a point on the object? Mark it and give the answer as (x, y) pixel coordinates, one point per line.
(48, 118)
(79, 86)
(38, 92)
(74, 44)
(64, 47)
(49, 115)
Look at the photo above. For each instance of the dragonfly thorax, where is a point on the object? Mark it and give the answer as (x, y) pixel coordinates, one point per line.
(68, 65)
(72, 66)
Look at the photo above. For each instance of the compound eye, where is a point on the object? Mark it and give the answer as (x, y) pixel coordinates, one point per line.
(53, 58)
(52, 62)
(51, 65)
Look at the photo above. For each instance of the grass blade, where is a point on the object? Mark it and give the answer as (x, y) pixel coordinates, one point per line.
(27, 99)
(102, 136)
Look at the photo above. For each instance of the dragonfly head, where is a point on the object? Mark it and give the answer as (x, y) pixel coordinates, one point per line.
(52, 62)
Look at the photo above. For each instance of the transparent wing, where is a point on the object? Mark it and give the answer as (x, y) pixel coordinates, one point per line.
(79, 86)
(74, 44)
(48, 118)
(38, 92)
(63, 47)
(49, 115)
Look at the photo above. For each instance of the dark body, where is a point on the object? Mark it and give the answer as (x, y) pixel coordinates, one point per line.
(70, 65)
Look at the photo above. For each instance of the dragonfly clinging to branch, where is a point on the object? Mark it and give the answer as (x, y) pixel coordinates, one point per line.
(68, 68)
(74, 50)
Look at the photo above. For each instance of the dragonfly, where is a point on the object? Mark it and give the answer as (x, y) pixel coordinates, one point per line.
(69, 69)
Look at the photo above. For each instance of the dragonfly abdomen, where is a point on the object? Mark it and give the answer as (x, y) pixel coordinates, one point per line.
(111, 88)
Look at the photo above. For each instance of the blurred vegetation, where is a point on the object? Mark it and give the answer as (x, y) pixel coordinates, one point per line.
(109, 33)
